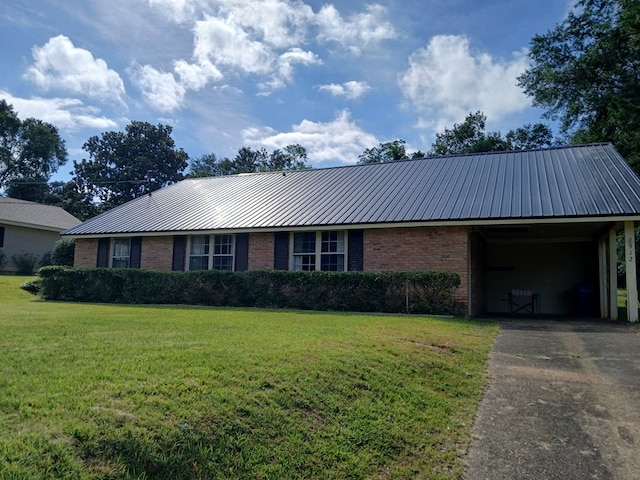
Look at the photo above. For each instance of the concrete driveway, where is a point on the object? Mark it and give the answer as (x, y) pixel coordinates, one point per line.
(563, 402)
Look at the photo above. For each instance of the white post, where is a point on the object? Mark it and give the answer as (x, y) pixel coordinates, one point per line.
(630, 264)
(613, 275)
(603, 276)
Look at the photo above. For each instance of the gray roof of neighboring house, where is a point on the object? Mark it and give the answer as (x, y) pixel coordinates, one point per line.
(35, 215)
(576, 181)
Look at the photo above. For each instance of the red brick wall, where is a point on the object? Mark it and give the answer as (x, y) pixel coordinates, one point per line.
(420, 248)
(261, 251)
(157, 253)
(85, 253)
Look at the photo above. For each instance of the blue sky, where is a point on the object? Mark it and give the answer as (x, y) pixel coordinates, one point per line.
(336, 77)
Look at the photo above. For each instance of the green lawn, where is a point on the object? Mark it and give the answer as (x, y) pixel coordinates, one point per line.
(106, 391)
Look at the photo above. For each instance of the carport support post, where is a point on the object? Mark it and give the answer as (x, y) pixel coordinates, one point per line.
(630, 265)
(613, 275)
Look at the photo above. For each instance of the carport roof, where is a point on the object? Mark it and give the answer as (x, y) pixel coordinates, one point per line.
(568, 182)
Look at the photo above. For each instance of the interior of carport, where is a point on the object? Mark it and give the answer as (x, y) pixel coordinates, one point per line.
(563, 269)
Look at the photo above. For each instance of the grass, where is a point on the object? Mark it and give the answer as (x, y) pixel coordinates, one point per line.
(128, 392)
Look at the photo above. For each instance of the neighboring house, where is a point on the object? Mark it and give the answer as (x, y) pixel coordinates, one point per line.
(28, 228)
(542, 221)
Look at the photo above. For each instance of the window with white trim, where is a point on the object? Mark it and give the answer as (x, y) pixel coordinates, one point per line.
(211, 252)
(121, 252)
(319, 251)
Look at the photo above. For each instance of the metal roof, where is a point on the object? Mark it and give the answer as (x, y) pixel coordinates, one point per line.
(575, 181)
(35, 215)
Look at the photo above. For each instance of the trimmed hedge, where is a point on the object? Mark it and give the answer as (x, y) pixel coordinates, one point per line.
(412, 292)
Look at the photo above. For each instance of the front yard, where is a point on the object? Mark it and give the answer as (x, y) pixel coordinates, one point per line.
(104, 391)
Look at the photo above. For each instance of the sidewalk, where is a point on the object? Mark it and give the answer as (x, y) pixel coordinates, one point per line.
(563, 402)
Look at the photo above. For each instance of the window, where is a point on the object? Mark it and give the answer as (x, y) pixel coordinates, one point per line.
(211, 252)
(121, 257)
(319, 251)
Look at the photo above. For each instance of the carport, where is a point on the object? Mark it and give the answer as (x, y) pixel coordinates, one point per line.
(569, 264)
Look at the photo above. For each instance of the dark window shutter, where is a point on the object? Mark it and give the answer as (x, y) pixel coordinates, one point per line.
(355, 250)
(1, 237)
(179, 252)
(136, 252)
(281, 251)
(242, 252)
(103, 252)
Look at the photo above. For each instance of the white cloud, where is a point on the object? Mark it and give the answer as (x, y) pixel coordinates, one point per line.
(447, 80)
(224, 42)
(60, 65)
(358, 31)
(340, 140)
(65, 113)
(266, 38)
(196, 76)
(159, 89)
(350, 90)
(279, 23)
(181, 11)
(286, 65)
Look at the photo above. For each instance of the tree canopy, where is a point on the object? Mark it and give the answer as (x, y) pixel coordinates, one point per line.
(387, 152)
(586, 72)
(471, 136)
(248, 160)
(126, 165)
(30, 150)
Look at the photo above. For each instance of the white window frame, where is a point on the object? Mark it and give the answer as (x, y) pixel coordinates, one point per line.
(318, 253)
(211, 255)
(112, 252)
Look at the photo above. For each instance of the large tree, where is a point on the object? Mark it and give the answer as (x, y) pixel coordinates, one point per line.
(30, 151)
(470, 136)
(387, 152)
(126, 165)
(248, 160)
(586, 73)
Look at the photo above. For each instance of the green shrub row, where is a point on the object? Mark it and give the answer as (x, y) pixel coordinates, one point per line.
(412, 292)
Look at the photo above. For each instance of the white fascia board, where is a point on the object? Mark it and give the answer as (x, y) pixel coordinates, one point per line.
(366, 226)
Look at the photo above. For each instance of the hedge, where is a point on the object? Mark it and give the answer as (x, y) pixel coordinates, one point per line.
(393, 292)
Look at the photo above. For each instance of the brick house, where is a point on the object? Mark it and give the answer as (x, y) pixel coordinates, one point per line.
(540, 222)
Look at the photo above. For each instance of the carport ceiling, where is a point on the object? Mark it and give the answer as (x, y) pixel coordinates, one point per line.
(541, 231)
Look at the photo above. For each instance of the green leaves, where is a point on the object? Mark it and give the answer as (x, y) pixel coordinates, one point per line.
(247, 160)
(585, 73)
(29, 150)
(127, 165)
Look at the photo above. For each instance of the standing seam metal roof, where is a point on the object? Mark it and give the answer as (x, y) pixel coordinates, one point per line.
(575, 181)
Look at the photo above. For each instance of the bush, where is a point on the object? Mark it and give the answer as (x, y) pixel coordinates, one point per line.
(415, 292)
(25, 262)
(3, 258)
(63, 252)
(32, 286)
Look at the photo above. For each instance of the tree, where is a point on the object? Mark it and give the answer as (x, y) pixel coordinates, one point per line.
(530, 136)
(467, 137)
(384, 153)
(72, 198)
(247, 160)
(210, 166)
(30, 150)
(470, 137)
(585, 72)
(126, 165)
(292, 157)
